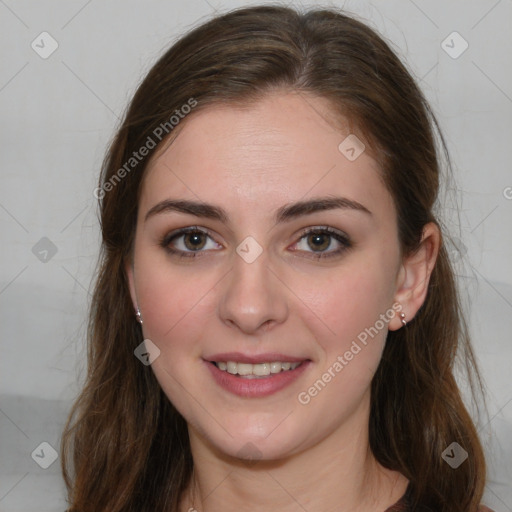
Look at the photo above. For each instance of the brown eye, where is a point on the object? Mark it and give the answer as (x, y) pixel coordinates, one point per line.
(194, 240)
(189, 242)
(322, 242)
(319, 241)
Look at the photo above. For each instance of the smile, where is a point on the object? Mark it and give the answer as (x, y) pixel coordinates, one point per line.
(257, 379)
(249, 371)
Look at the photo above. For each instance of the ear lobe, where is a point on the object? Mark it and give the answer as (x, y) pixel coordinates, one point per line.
(414, 275)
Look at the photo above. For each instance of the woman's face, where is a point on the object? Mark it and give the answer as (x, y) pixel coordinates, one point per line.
(266, 275)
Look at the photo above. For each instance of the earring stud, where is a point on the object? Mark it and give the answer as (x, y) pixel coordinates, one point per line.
(402, 318)
(139, 316)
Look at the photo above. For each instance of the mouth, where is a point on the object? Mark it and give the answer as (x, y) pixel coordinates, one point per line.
(256, 371)
(255, 376)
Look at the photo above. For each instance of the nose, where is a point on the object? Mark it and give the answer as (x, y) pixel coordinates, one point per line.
(254, 297)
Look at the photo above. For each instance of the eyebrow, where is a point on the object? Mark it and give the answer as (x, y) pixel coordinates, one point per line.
(283, 214)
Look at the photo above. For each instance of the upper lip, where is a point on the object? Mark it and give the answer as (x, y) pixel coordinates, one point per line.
(238, 357)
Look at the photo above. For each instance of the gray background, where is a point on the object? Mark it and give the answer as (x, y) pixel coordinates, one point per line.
(58, 114)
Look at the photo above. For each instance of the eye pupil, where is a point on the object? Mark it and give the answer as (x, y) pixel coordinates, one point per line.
(193, 240)
(320, 241)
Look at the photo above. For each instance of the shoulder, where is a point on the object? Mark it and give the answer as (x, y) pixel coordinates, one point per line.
(483, 508)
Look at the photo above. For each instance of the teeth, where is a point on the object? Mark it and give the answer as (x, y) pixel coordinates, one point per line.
(258, 370)
(244, 369)
(275, 367)
(261, 369)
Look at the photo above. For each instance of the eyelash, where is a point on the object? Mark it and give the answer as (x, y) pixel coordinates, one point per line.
(320, 230)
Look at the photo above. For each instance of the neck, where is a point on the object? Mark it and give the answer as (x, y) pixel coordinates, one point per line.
(336, 474)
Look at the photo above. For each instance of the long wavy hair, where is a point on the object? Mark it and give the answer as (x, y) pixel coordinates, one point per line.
(125, 447)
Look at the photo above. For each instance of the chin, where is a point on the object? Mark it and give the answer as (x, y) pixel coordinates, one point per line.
(269, 443)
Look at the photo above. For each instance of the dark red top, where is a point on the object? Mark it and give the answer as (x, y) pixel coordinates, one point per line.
(403, 504)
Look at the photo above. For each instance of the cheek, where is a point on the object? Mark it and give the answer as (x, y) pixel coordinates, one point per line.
(172, 300)
(176, 304)
(352, 300)
(351, 333)
(351, 337)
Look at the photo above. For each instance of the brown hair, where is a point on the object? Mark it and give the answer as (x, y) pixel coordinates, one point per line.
(126, 444)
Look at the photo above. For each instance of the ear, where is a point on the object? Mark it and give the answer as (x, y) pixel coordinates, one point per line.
(414, 275)
(129, 271)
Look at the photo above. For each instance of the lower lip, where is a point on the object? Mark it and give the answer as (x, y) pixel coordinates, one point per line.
(255, 388)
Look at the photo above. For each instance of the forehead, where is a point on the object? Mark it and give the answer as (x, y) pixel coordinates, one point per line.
(281, 148)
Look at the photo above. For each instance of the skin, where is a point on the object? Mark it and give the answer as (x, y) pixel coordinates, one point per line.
(251, 161)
